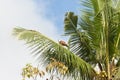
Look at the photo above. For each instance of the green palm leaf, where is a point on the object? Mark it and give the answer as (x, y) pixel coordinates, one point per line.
(45, 48)
(78, 42)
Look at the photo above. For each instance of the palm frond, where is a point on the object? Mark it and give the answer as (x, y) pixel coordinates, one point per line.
(96, 14)
(78, 42)
(45, 48)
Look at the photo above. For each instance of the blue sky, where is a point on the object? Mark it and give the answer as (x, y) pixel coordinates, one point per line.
(56, 10)
(45, 16)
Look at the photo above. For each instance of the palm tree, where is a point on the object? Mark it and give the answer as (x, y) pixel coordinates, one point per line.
(94, 40)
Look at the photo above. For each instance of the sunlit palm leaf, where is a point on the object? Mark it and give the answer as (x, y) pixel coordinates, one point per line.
(45, 48)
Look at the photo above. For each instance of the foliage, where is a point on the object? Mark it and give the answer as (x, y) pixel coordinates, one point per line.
(61, 68)
(94, 41)
(45, 49)
(31, 72)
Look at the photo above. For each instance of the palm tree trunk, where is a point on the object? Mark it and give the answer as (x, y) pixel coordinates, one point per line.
(106, 31)
(108, 66)
(107, 50)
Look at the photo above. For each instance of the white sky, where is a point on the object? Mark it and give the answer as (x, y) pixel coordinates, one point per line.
(23, 13)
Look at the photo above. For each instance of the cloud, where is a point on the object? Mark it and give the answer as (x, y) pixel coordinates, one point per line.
(23, 13)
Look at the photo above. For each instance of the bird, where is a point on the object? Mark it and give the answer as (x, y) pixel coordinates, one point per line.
(63, 43)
